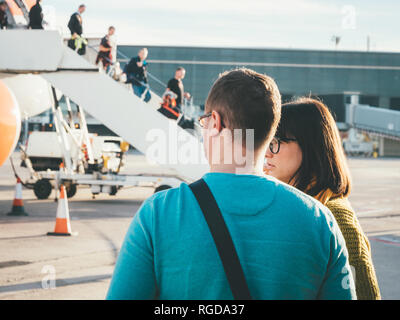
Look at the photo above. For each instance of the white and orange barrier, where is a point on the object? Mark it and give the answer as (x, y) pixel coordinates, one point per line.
(18, 203)
(63, 225)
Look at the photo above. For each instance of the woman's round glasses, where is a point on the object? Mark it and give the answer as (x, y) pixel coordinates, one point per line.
(275, 144)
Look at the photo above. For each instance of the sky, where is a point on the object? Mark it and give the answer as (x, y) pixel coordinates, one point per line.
(300, 24)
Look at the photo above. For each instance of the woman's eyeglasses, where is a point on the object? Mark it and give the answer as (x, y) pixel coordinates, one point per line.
(275, 144)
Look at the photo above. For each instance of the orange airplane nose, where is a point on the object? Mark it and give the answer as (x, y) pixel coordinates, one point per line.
(10, 122)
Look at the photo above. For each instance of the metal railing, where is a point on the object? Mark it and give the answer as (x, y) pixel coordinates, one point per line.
(188, 108)
(156, 85)
(152, 79)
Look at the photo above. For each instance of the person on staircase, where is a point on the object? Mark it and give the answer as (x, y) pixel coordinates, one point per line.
(75, 27)
(3, 15)
(36, 16)
(136, 73)
(104, 55)
(176, 86)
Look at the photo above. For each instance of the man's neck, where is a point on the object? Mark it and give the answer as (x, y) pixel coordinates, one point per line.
(237, 169)
(233, 158)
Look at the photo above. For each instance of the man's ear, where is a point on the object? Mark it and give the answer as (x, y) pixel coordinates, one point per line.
(216, 123)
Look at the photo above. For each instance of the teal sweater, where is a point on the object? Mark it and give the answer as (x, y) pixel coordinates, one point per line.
(289, 245)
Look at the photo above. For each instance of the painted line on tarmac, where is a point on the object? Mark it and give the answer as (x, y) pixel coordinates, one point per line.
(386, 241)
(363, 213)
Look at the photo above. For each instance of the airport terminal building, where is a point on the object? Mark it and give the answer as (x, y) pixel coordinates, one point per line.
(331, 75)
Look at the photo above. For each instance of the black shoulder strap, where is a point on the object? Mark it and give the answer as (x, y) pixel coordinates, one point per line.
(222, 239)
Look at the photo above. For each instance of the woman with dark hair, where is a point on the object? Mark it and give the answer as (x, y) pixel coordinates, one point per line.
(307, 153)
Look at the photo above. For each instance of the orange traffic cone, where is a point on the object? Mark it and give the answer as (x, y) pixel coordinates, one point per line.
(63, 226)
(18, 204)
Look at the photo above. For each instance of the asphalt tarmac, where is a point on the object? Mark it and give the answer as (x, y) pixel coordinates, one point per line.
(36, 266)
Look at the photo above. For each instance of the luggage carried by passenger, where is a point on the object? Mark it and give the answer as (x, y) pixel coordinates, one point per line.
(78, 44)
(170, 110)
(168, 106)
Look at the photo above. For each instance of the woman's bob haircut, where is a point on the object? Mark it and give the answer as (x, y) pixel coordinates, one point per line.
(324, 164)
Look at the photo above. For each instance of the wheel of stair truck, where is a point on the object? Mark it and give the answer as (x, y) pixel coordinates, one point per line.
(161, 188)
(113, 191)
(42, 189)
(71, 190)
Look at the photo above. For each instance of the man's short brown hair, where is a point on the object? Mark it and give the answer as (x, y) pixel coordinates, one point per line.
(246, 99)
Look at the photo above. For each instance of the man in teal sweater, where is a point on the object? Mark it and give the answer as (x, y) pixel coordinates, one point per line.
(289, 245)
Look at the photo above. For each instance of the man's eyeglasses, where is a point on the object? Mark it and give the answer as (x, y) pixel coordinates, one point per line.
(275, 144)
(202, 119)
